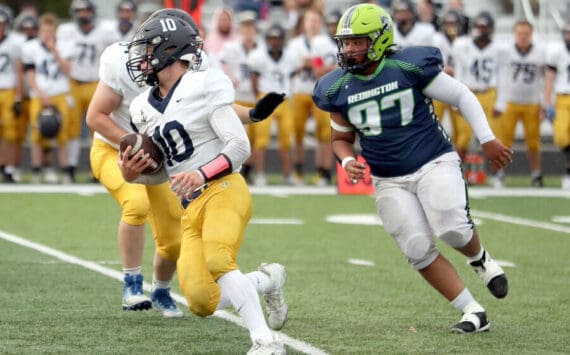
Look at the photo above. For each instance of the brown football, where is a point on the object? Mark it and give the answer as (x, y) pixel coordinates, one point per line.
(140, 141)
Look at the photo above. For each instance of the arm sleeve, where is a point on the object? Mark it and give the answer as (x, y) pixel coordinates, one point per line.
(228, 127)
(445, 88)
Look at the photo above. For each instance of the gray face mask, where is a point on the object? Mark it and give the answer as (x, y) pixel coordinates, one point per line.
(83, 20)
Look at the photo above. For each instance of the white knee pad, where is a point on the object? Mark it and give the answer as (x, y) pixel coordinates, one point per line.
(457, 238)
(420, 251)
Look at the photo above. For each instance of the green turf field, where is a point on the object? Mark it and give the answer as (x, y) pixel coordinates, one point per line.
(71, 302)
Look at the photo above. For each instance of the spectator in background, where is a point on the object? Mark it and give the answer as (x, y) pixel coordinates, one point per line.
(193, 7)
(410, 32)
(520, 67)
(303, 82)
(557, 84)
(427, 13)
(296, 9)
(220, 32)
(259, 7)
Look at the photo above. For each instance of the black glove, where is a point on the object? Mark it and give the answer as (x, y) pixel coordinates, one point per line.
(265, 106)
(17, 109)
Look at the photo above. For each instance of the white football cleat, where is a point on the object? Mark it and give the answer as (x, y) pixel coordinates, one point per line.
(264, 347)
(50, 176)
(475, 322)
(163, 302)
(276, 306)
(133, 297)
(566, 182)
(492, 275)
(497, 182)
(260, 180)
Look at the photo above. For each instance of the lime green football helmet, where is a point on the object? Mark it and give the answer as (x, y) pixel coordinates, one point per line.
(364, 20)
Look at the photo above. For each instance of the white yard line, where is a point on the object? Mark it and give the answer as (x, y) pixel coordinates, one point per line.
(521, 221)
(296, 344)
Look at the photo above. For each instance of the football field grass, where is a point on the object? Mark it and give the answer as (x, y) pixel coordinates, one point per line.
(349, 289)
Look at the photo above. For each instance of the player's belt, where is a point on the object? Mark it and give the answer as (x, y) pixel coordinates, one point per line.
(564, 93)
(195, 195)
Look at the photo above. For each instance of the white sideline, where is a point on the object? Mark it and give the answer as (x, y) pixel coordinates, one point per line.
(282, 190)
(70, 259)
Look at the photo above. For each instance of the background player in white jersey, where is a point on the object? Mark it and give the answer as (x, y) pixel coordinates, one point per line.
(109, 118)
(47, 68)
(189, 116)
(234, 56)
(557, 90)
(474, 61)
(521, 71)
(270, 68)
(234, 61)
(87, 40)
(451, 30)
(26, 25)
(10, 93)
(303, 106)
(408, 31)
(125, 25)
(384, 97)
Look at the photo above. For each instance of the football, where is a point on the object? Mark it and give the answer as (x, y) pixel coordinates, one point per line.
(141, 141)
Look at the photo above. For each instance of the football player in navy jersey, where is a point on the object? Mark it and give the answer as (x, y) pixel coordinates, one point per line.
(384, 96)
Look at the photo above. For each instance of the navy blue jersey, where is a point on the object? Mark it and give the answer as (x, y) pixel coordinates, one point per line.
(394, 120)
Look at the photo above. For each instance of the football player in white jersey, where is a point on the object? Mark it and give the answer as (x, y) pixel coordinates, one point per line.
(26, 25)
(108, 116)
(451, 30)
(188, 114)
(557, 87)
(10, 93)
(474, 61)
(46, 68)
(303, 106)
(521, 70)
(87, 40)
(270, 68)
(233, 60)
(408, 30)
(125, 26)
